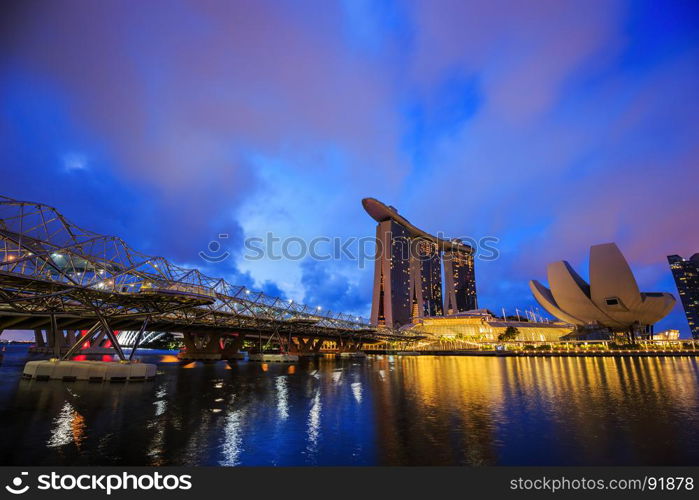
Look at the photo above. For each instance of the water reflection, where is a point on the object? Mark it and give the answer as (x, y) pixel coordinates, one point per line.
(282, 398)
(357, 391)
(233, 438)
(69, 427)
(383, 410)
(542, 411)
(314, 426)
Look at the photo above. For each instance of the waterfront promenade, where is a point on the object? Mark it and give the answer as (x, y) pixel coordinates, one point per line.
(681, 347)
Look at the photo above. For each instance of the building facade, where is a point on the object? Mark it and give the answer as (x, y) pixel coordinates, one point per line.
(460, 282)
(481, 326)
(686, 274)
(425, 279)
(391, 296)
(408, 271)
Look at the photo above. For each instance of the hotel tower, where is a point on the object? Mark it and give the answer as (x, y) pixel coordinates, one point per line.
(408, 271)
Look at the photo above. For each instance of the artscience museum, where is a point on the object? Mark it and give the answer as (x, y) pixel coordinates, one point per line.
(611, 301)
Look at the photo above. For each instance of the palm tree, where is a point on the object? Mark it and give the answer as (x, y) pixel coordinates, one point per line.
(510, 333)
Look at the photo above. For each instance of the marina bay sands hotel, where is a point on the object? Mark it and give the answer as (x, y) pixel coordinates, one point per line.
(408, 271)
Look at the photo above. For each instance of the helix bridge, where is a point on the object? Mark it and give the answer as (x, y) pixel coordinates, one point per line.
(72, 283)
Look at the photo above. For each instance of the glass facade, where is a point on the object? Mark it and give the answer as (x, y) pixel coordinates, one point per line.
(391, 302)
(482, 327)
(408, 271)
(425, 279)
(460, 282)
(686, 274)
(408, 277)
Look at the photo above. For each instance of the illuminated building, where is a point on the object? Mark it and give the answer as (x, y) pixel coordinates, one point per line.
(611, 300)
(665, 335)
(408, 271)
(481, 326)
(425, 279)
(686, 274)
(460, 283)
(391, 297)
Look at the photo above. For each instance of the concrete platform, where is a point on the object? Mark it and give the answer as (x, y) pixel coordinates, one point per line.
(236, 356)
(273, 358)
(91, 371)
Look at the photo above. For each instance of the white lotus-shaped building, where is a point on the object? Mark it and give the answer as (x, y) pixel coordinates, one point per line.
(611, 300)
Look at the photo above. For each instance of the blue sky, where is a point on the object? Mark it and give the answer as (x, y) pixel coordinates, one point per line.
(550, 125)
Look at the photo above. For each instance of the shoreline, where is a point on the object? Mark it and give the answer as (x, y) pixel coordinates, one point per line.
(612, 354)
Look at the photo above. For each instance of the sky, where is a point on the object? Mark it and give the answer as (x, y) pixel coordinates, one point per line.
(551, 126)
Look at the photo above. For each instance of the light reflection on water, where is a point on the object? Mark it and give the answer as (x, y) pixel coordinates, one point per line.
(282, 398)
(233, 438)
(381, 410)
(68, 427)
(314, 424)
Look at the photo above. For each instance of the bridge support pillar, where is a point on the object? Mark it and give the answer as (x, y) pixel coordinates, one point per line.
(39, 338)
(201, 347)
(231, 347)
(305, 347)
(98, 345)
(51, 341)
(350, 348)
(349, 345)
(98, 340)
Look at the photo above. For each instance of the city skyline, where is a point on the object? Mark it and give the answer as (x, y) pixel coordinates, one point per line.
(574, 128)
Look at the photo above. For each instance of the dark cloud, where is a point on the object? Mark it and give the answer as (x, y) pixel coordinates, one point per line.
(329, 289)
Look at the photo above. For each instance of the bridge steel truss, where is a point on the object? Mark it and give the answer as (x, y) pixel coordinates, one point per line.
(57, 276)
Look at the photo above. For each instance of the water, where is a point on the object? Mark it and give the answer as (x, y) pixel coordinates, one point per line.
(384, 410)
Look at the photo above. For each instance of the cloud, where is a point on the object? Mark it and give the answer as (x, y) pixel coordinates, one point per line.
(552, 125)
(331, 290)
